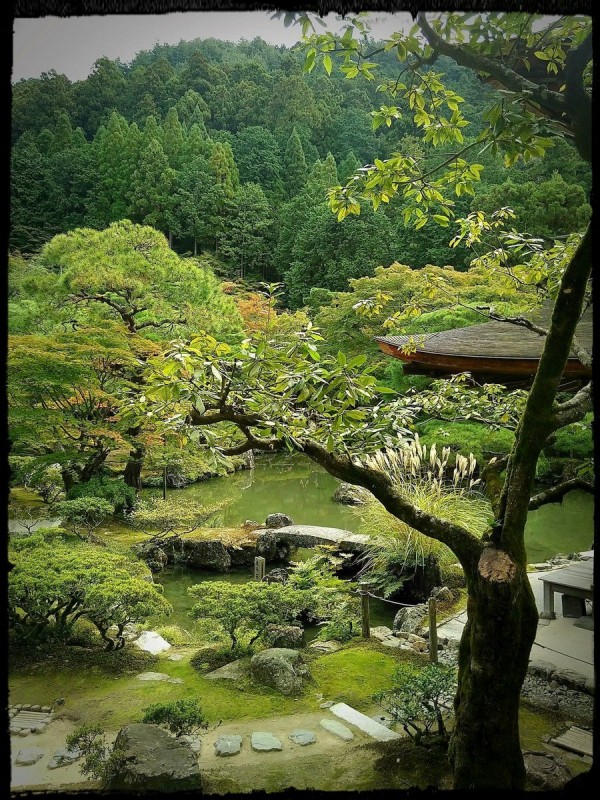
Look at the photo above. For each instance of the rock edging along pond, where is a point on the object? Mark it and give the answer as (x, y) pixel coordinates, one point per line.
(273, 544)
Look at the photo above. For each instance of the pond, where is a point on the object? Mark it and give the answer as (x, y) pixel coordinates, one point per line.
(295, 485)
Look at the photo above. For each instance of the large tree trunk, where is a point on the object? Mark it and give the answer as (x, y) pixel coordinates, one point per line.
(133, 469)
(93, 466)
(485, 749)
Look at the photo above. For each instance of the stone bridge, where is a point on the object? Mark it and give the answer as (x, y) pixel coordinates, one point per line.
(311, 535)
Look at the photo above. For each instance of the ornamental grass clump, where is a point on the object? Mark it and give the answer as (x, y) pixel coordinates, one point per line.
(396, 550)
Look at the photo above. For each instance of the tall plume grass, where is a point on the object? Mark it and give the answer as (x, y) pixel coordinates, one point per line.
(422, 478)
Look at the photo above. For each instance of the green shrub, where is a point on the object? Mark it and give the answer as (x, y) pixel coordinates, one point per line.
(84, 515)
(176, 635)
(84, 634)
(343, 624)
(121, 496)
(180, 717)
(101, 761)
(574, 441)
(215, 656)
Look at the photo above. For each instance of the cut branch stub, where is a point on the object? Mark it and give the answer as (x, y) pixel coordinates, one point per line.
(496, 566)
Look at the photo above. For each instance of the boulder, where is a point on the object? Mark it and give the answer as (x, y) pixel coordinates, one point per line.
(266, 545)
(242, 556)
(265, 742)
(155, 556)
(154, 761)
(570, 679)
(442, 593)
(64, 757)
(410, 619)
(278, 521)
(545, 771)
(203, 554)
(284, 635)
(542, 668)
(385, 636)
(350, 495)
(302, 737)
(228, 745)
(280, 668)
(152, 642)
(28, 756)
(277, 575)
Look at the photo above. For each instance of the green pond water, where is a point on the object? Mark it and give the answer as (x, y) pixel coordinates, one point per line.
(300, 488)
(295, 485)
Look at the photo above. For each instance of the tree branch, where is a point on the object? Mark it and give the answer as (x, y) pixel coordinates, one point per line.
(578, 100)
(521, 321)
(556, 493)
(574, 409)
(461, 541)
(552, 101)
(161, 323)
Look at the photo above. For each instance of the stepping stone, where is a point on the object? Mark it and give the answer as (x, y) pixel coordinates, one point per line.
(374, 729)
(63, 757)
(265, 742)
(326, 704)
(175, 680)
(154, 676)
(176, 657)
(28, 756)
(337, 729)
(325, 647)
(228, 745)
(302, 737)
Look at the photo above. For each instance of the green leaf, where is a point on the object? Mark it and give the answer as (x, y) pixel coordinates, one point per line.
(327, 63)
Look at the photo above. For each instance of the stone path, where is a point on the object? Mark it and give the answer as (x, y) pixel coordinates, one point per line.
(367, 724)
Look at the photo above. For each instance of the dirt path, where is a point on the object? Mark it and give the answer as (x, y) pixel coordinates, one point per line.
(38, 776)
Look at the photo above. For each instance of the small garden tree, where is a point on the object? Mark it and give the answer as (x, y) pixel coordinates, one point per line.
(171, 518)
(84, 515)
(180, 717)
(246, 610)
(101, 761)
(419, 699)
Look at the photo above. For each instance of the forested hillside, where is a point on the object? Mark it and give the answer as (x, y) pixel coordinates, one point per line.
(228, 150)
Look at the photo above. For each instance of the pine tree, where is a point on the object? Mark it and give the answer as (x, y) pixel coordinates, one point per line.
(294, 165)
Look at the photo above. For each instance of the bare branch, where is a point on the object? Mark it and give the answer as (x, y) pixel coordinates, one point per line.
(522, 321)
(556, 493)
(160, 324)
(574, 409)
